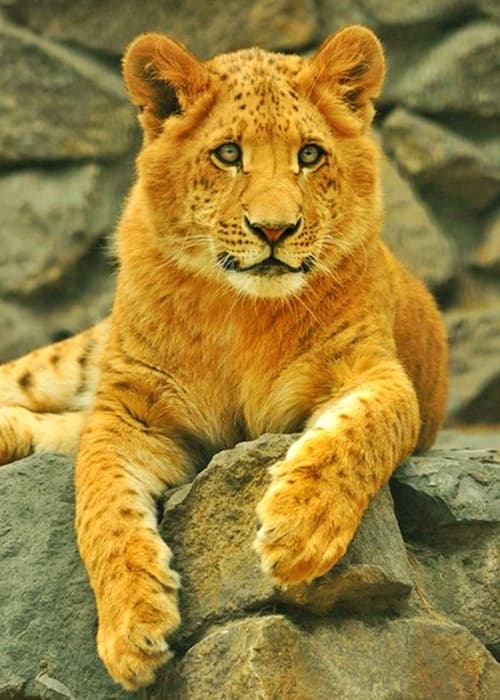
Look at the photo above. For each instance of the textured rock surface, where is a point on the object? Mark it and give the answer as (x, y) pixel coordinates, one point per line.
(413, 234)
(47, 626)
(60, 215)
(240, 649)
(207, 28)
(435, 156)
(474, 368)
(222, 499)
(488, 252)
(448, 504)
(272, 659)
(456, 75)
(82, 297)
(57, 104)
(448, 488)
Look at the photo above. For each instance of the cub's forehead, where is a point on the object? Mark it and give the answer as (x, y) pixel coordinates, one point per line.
(260, 89)
(252, 67)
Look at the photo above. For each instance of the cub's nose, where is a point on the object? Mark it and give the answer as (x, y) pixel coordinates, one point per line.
(272, 232)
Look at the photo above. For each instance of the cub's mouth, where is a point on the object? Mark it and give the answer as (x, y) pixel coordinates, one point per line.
(269, 267)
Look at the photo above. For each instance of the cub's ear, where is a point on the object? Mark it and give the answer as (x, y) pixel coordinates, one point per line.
(348, 71)
(162, 77)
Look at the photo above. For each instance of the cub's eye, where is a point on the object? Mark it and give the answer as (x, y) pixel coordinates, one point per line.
(310, 154)
(227, 154)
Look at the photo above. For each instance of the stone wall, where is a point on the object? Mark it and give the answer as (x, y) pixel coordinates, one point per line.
(68, 137)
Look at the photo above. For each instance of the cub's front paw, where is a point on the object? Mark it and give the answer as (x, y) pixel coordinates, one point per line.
(134, 619)
(306, 523)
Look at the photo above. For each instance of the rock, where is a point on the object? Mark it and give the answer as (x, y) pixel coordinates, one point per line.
(57, 217)
(457, 75)
(56, 104)
(383, 14)
(48, 621)
(270, 658)
(454, 438)
(474, 338)
(443, 488)
(448, 504)
(207, 28)
(81, 298)
(487, 255)
(22, 330)
(47, 627)
(434, 156)
(490, 8)
(412, 233)
(210, 527)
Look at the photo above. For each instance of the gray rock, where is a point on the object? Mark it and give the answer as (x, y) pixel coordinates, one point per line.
(445, 488)
(412, 233)
(382, 14)
(47, 626)
(56, 104)
(22, 330)
(48, 622)
(83, 297)
(457, 574)
(474, 337)
(434, 156)
(490, 8)
(210, 526)
(51, 218)
(459, 74)
(487, 255)
(456, 438)
(269, 658)
(207, 28)
(448, 503)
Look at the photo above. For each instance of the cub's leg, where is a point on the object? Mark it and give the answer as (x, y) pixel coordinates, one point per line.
(124, 464)
(45, 395)
(319, 492)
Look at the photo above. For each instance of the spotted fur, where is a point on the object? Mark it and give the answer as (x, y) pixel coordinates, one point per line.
(254, 295)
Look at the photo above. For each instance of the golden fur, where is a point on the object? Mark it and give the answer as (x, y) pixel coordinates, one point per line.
(212, 341)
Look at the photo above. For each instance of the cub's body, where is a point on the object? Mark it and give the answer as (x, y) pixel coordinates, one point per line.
(254, 295)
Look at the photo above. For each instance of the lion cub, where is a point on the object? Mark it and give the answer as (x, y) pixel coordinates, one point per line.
(254, 295)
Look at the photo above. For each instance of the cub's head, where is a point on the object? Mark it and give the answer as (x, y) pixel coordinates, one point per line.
(258, 168)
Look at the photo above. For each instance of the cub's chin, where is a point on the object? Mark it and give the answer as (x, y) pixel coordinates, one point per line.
(265, 286)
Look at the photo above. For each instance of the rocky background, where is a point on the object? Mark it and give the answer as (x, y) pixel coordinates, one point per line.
(68, 137)
(414, 618)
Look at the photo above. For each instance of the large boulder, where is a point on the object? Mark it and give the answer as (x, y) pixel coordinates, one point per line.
(448, 505)
(210, 527)
(207, 28)
(78, 300)
(457, 74)
(474, 337)
(412, 233)
(58, 217)
(372, 645)
(48, 621)
(435, 156)
(487, 254)
(57, 104)
(271, 658)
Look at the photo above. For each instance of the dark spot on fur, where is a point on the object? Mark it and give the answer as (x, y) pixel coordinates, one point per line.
(122, 385)
(54, 358)
(352, 98)
(25, 380)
